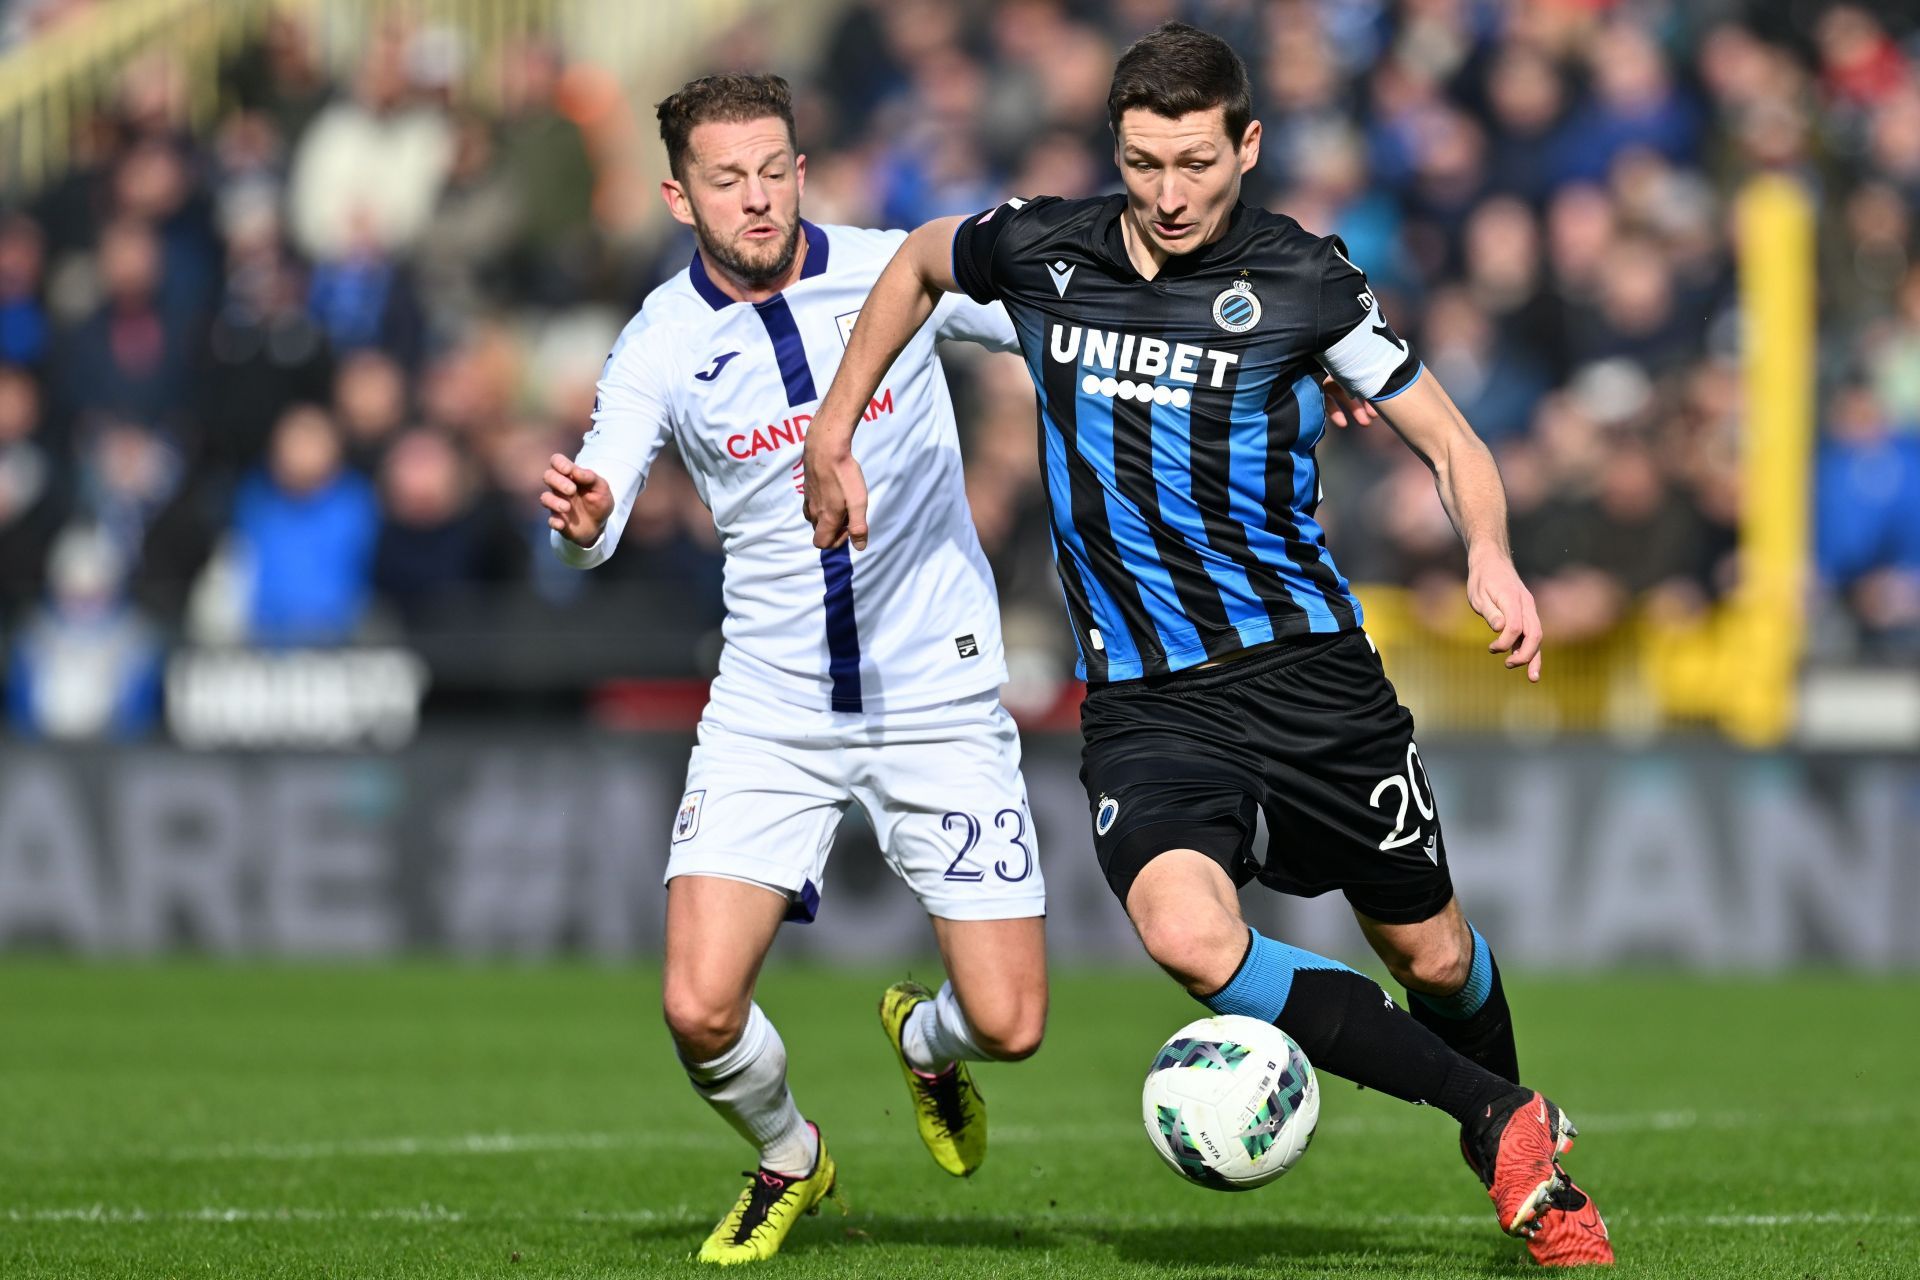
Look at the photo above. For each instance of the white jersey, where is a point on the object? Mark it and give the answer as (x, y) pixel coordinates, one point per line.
(909, 623)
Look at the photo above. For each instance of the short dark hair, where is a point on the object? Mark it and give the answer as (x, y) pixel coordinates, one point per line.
(1175, 70)
(730, 98)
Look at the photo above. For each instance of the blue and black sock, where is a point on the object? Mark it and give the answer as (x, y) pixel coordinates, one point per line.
(1475, 1020)
(1349, 1026)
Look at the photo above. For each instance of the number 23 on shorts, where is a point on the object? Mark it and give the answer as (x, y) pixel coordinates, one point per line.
(1010, 825)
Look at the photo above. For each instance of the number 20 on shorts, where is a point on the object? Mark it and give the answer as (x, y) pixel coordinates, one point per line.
(1412, 785)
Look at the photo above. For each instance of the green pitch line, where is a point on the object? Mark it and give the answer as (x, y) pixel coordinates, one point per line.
(430, 1120)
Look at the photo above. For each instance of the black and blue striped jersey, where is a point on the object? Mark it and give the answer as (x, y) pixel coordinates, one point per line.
(1178, 419)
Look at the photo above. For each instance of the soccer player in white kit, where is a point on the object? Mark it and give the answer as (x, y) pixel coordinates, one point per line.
(868, 677)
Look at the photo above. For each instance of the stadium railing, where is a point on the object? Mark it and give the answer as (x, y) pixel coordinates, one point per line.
(1646, 676)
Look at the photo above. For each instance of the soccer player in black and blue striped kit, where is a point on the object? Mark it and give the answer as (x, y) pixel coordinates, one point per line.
(1177, 340)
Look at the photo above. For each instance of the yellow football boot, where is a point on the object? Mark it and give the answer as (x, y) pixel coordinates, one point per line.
(950, 1111)
(760, 1219)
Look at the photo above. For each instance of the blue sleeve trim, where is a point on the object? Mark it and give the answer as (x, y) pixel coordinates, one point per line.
(1410, 381)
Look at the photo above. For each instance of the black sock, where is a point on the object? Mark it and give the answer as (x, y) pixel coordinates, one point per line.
(1349, 1026)
(1486, 1035)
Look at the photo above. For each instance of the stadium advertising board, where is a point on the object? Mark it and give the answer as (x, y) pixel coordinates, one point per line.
(518, 845)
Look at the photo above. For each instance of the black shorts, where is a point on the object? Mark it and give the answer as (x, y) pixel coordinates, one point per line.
(1308, 732)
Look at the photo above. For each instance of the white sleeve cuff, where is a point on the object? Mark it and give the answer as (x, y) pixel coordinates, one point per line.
(572, 553)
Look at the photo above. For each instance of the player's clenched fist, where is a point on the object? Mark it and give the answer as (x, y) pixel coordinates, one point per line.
(577, 500)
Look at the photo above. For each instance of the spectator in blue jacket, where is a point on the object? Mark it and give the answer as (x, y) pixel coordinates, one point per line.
(307, 526)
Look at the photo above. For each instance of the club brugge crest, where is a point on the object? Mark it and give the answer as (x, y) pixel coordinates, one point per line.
(1236, 309)
(1103, 820)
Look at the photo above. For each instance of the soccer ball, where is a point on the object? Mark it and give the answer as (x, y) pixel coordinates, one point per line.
(1230, 1102)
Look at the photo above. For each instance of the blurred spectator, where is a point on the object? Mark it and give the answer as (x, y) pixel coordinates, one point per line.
(1505, 276)
(1495, 384)
(1868, 253)
(1635, 314)
(33, 503)
(264, 351)
(1058, 163)
(370, 404)
(669, 548)
(128, 475)
(307, 526)
(1635, 102)
(433, 541)
(544, 163)
(249, 173)
(364, 299)
(1895, 355)
(1334, 196)
(856, 72)
(1526, 99)
(154, 184)
(516, 523)
(368, 171)
(934, 164)
(85, 665)
(1894, 146)
(1449, 176)
(281, 75)
(1861, 67)
(1581, 226)
(134, 357)
(23, 315)
(1868, 521)
(1643, 536)
(464, 264)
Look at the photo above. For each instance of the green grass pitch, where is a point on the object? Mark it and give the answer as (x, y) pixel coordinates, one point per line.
(432, 1120)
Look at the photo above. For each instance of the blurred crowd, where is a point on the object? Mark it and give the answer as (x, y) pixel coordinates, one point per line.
(1543, 196)
(290, 379)
(293, 380)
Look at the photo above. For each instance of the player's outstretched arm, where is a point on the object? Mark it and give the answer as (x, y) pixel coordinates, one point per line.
(1469, 484)
(902, 299)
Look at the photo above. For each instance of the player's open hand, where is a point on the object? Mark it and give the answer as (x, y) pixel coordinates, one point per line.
(1343, 408)
(836, 496)
(578, 501)
(1496, 593)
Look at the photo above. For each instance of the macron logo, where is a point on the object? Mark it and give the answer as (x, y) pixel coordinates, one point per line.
(1061, 273)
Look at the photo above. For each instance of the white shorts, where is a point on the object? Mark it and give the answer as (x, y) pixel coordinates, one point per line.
(942, 789)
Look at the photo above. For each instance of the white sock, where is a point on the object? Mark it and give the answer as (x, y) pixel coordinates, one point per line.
(747, 1085)
(936, 1034)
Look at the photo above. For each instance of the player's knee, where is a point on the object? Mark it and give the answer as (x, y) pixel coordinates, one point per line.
(1435, 971)
(1201, 954)
(1013, 1035)
(702, 1028)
